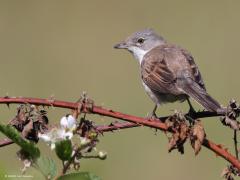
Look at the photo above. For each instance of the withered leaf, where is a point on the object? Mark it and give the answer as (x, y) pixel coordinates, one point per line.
(21, 115)
(197, 146)
(176, 142)
(179, 138)
(169, 123)
(173, 142)
(227, 174)
(27, 128)
(197, 136)
(20, 119)
(180, 132)
(184, 129)
(232, 123)
(198, 130)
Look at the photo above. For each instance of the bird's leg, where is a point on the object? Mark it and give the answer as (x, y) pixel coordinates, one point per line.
(153, 113)
(191, 111)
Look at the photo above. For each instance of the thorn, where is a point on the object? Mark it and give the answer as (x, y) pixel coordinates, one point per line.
(7, 96)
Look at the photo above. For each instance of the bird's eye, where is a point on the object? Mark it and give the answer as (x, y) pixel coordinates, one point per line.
(140, 40)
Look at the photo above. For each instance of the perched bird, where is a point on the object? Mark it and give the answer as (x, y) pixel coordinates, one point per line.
(168, 71)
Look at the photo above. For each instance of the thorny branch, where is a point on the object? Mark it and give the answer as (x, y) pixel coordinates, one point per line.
(133, 121)
(218, 149)
(235, 142)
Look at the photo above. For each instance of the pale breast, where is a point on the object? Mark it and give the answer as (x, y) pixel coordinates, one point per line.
(151, 94)
(161, 98)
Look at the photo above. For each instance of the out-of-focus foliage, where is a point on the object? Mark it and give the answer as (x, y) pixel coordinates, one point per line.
(46, 166)
(26, 145)
(64, 149)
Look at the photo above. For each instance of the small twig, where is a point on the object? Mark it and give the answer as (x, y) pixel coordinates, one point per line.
(115, 126)
(69, 162)
(5, 142)
(235, 143)
(90, 157)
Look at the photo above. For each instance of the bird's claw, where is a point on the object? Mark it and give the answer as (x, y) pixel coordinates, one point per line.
(152, 116)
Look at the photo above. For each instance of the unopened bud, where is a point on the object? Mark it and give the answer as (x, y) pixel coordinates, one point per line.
(102, 155)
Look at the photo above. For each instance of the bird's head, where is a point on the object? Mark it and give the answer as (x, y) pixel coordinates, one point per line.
(139, 43)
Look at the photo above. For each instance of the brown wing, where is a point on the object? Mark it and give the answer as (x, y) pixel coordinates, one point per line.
(162, 66)
(194, 86)
(156, 73)
(196, 73)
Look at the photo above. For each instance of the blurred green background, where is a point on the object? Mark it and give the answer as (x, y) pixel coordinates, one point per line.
(62, 48)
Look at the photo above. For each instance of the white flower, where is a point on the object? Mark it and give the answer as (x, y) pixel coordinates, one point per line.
(55, 135)
(68, 125)
(68, 122)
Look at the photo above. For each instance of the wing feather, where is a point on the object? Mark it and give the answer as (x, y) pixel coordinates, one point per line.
(156, 73)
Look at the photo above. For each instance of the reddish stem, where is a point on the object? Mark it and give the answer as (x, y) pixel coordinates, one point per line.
(5, 142)
(116, 126)
(38, 101)
(134, 121)
(218, 149)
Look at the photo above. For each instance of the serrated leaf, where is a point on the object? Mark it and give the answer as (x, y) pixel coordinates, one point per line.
(64, 149)
(80, 176)
(14, 135)
(46, 166)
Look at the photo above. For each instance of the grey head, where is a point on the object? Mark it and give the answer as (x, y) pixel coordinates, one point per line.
(141, 42)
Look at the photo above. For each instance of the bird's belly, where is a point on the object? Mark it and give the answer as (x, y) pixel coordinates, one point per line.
(161, 98)
(151, 94)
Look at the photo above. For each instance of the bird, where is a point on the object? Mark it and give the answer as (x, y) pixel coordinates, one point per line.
(168, 71)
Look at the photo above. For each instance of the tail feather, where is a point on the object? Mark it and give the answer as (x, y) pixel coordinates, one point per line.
(201, 96)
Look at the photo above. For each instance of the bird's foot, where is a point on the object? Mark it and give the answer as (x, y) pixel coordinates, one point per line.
(191, 115)
(192, 112)
(152, 115)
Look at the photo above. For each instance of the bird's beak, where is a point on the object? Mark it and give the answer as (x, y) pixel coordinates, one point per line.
(121, 45)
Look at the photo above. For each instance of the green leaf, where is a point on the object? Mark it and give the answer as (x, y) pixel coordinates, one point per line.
(46, 166)
(79, 176)
(14, 135)
(64, 149)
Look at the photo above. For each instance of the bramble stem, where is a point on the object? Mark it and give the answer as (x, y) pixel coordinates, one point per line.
(133, 121)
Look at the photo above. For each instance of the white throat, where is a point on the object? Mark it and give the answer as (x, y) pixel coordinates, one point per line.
(138, 53)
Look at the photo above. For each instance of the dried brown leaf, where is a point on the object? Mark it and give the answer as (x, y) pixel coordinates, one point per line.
(21, 115)
(198, 131)
(180, 128)
(231, 123)
(184, 129)
(197, 136)
(173, 142)
(197, 147)
(227, 174)
(169, 123)
(27, 128)
(19, 119)
(177, 141)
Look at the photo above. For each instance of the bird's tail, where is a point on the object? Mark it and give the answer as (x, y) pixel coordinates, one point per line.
(201, 96)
